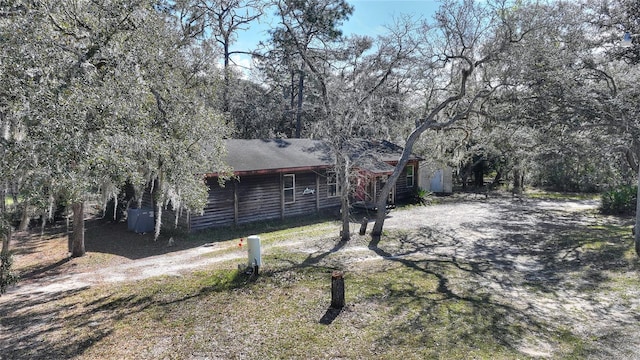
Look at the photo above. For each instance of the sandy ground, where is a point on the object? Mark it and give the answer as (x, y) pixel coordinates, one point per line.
(450, 216)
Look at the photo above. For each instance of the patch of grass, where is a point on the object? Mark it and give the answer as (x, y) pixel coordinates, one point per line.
(286, 307)
(552, 195)
(268, 236)
(8, 200)
(397, 311)
(576, 347)
(287, 226)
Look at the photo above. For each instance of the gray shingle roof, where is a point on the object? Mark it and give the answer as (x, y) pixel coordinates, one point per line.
(278, 155)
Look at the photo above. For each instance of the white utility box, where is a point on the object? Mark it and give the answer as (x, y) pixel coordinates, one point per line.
(253, 245)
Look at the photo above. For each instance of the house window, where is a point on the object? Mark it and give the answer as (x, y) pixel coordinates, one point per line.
(333, 189)
(289, 188)
(410, 176)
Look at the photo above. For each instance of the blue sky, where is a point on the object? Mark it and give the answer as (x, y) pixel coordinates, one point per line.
(368, 18)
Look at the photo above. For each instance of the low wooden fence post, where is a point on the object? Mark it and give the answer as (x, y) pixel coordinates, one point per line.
(363, 226)
(337, 290)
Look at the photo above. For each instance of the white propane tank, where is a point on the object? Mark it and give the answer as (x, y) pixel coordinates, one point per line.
(253, 245)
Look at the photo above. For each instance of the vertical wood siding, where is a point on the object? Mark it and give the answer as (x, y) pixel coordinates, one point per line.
(304, 204)
(402, 191)
(324, 200)
(219, 208)
(258, 198)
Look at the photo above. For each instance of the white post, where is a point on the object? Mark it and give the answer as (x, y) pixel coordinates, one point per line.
(253, 245)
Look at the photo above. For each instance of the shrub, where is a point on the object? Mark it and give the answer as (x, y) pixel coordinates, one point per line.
(7, 277)
(421, 196)
(621, 200)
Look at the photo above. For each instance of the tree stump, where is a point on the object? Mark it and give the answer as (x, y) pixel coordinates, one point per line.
(363, 226)
(337, 290)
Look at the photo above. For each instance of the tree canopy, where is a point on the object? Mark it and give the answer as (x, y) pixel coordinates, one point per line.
(101, 94)
(97, 95)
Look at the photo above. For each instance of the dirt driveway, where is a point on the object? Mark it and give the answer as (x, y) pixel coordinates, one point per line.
(523, 252)
(556, 260)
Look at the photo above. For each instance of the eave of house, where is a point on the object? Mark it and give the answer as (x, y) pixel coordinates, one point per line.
(275, 171)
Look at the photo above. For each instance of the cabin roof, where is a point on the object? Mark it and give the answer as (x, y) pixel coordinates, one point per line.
(276, 154)
(285, 155)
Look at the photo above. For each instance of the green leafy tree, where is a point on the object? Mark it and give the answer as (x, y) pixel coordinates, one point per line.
(109, 94)
(615, 18)
(466, 38)
(349, 79)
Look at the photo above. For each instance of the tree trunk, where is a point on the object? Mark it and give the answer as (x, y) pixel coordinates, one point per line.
(497, 179)
(345, 233)
(158, 220)
(3, 198)
(478, 174)
(69, 231)
(6, 240)
(342, 174)
(299, 108)
(14, 197)
(77, 236)
(637, 228)
(158, 202)
(383, 196)
(24, 222)
(363, 226)
(227, 77)
(6, 276)
(517, 180)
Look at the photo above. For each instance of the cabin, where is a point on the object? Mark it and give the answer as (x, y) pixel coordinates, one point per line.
(279, 178)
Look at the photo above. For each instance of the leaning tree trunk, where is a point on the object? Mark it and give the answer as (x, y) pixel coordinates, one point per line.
(77, 236)
(427, 123)
(383, 197)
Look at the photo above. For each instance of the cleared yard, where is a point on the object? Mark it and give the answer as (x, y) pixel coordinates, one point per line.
(474, 278)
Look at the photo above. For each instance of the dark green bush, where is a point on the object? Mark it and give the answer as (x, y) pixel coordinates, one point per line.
(621, 200)
(7, 277)
(420, 196)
